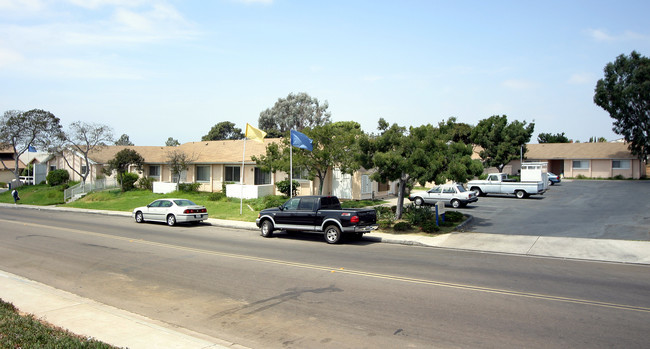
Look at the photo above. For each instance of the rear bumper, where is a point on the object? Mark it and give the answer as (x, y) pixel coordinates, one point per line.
(184, 218)
(361, 229)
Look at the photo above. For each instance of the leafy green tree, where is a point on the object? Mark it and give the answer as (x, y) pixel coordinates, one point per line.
(223, 130)
(124, 140)
(501, 142)
(83, 138)
(297, 111)
(624, 93)
(335, 146)
(423, 154)
(178, 162)
(552, 138)
(457, 131)
(124, 159)
(597, 140)
(171, 142)
(22, 130)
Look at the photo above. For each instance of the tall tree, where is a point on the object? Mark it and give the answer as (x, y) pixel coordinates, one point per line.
(501, 142)
(552, 138)
(22, 130)
(122, 161)
(82, 138)
(624, 93)
(297, 111)
(423, 154)
(597, 140)
(334, 146)
(223, 130)
(124, 140)
(171, 142)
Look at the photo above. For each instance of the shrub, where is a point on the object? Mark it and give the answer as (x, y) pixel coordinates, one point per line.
(454, 216)
(216, 196)
(402, 226)
(273, 201)
(128, 181)
(283, 187)
(430, 227)
(146, 183)
(418, 215)
(189, 187)
(581, 176)
(57, 177)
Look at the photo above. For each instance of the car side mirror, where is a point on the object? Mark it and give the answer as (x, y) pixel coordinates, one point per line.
(281, 207)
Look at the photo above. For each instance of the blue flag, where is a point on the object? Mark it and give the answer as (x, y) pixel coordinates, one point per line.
(301, 141)
(31, 149)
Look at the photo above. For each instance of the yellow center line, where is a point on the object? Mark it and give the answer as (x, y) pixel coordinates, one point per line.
(347, 271)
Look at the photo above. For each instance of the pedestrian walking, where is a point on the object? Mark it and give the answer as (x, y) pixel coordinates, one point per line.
(14, 193)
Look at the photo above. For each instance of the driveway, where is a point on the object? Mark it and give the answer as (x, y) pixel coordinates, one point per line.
(595, 209)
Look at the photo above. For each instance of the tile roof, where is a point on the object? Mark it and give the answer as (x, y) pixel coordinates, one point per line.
(227, 151)
(605, 150)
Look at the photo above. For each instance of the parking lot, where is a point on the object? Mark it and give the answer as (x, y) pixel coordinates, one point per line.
(596, 209)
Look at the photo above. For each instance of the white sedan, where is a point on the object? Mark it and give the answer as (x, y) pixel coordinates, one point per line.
(452, 194)
(171, 211)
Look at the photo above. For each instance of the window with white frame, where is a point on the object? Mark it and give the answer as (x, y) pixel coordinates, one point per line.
(580, 164)
(154, 171)
(262, 177)
(232, 173)
(366, 184)
(203, 173)
(621, 164)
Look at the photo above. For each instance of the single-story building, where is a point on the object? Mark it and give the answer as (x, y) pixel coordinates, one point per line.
(8, 164)
(591, 160)
(217, 163)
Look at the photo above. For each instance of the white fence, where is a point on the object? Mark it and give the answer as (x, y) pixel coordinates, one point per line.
(83, 188)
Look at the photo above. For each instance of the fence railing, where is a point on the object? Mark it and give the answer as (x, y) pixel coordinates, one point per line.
(87, 187)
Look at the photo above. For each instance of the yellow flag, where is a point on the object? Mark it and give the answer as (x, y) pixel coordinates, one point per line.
(254, 134)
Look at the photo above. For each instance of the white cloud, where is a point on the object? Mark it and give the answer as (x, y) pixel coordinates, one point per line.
(582, 79)
(21, 5)
(8, 57)
(603, 35)
(372, 78)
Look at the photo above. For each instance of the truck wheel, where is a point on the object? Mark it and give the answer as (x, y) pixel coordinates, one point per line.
(520, 194)
(332, 234)
(419, 201)
(455, 203)
(478, 191)
(267, 229)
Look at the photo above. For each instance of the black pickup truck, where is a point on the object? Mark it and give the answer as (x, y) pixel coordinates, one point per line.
(322, 214)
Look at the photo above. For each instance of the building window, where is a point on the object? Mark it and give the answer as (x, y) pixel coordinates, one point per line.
(232, 173)
(84, 169)
(580, 164)
(154, 171)
(202, 173)
(52, 167)
(621, 164)
(366, 184)
(262, 177)
(300, 173)
(180, 177)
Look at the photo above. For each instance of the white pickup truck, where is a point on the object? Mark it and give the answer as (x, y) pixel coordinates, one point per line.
(498, 183)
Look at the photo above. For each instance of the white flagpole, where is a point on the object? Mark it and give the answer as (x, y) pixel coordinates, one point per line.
(241, 180)
(290, 168)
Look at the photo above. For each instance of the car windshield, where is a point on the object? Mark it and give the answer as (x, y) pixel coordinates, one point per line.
(184, 202)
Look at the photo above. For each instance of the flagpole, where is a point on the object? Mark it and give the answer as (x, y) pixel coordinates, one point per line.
(290, 168)
(241, 180)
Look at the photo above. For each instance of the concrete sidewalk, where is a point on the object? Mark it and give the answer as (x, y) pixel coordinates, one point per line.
(121, 328)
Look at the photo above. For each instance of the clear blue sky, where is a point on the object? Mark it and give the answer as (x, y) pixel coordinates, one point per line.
(157, 69)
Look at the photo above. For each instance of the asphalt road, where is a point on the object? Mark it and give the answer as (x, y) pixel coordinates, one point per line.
(297, 291)
(593, 209)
